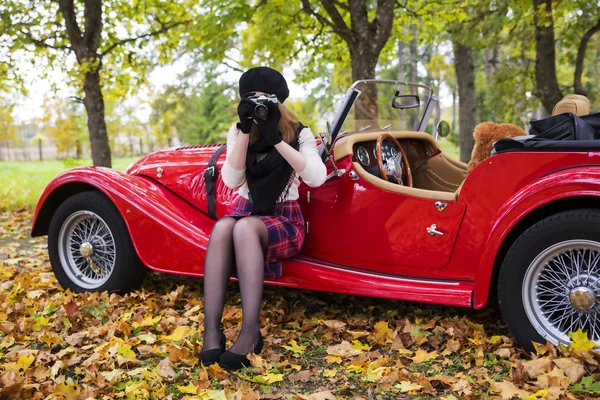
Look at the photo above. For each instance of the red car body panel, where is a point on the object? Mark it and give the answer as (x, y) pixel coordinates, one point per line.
(377, 229)
(361, 239)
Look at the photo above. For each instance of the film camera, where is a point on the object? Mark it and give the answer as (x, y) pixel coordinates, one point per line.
(260, 108)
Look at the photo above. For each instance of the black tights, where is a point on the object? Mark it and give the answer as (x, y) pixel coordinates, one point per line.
(248, 237)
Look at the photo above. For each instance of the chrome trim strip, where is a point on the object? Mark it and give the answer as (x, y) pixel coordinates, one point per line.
(382, 276)
(399, 83)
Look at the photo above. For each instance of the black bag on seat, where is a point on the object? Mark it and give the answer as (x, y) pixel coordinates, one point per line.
(560, 132)
(566, 126)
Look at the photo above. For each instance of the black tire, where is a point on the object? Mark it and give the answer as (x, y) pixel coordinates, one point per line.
(575, 225)
(128, 271)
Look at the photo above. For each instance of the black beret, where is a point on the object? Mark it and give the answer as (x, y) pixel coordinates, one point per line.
(264, 79)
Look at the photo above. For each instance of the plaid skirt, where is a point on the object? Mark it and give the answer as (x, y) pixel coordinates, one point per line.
(286, 232)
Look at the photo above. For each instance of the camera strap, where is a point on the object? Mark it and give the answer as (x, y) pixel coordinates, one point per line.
(210, 177)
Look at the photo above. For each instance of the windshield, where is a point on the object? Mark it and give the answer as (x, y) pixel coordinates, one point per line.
(373, 105)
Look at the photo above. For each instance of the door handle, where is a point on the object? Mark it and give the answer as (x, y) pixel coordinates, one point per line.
(432, 230)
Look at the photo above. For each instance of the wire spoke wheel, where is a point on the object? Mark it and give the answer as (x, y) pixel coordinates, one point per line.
(561, 290)
(86, 248)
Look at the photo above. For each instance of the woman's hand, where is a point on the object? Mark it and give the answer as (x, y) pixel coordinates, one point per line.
(269, 127)
(245, 111)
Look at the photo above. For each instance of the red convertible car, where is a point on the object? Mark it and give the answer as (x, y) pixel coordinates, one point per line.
(396, 218)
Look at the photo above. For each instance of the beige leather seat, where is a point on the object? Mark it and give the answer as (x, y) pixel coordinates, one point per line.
(573, 103)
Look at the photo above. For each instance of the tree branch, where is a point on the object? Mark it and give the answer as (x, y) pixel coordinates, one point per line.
(233, 67)
(383, 23)
(358, 17)
(577, 84)
(308, 10)
(339, 26)
(164, 28)
(67, 9)
(43, 43)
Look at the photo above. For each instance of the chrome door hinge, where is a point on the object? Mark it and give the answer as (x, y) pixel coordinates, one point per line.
(440, 205)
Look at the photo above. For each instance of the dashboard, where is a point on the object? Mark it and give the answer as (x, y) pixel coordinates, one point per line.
(366, 155)
(416, 152)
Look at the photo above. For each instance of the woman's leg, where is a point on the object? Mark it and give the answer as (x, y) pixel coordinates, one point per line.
(217, 270)
(250, 238)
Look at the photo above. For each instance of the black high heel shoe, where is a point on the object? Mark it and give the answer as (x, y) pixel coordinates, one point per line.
(231, 360)
(211, 356)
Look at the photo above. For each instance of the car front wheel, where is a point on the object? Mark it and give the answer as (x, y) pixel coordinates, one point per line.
(549, 282)
(90, 248)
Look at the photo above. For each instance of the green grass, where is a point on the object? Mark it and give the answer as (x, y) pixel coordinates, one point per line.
(449, 148)
(21, 183)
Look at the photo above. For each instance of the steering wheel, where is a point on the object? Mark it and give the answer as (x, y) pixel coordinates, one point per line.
(396, 169)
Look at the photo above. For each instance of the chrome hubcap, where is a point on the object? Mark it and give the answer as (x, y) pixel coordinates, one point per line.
(560, 289)
(582, 298)
(86, 249)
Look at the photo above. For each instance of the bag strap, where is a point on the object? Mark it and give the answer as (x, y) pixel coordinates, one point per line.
(210, 176)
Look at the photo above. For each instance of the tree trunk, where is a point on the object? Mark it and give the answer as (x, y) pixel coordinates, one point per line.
(77, 149)
(453, 128)
(545, 59)
(491, 58)
(365, 37)
(401, 62)
(85, 45)
(467, 110)
(414, 57)
(363, 67)
(94, 105)
(577, 84)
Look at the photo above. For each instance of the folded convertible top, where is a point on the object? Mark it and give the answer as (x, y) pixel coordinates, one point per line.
(560, 132)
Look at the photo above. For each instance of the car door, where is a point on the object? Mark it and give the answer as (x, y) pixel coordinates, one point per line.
(355, 223)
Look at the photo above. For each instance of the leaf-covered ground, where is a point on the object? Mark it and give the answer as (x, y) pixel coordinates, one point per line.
(56, 344)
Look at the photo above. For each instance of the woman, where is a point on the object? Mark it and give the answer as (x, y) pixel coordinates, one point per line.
(264, 160)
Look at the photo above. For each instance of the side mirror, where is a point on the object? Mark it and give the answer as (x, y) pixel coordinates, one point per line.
(405, 101)
(442, 130)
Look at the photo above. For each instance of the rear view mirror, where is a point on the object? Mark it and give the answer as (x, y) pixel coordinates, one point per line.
(405, 101)
(443, 129)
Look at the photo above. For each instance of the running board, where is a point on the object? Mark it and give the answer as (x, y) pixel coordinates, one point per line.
(308, 274)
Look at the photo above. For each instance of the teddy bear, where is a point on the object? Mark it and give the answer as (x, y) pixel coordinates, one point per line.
(485, 134)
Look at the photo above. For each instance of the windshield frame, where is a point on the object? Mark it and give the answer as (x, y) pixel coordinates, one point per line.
(353, 93)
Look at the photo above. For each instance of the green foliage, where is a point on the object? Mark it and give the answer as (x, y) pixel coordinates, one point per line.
(197, 116)
(206, 117)
(8, 127)
(136, 36)
(64, 121)
(124, 128)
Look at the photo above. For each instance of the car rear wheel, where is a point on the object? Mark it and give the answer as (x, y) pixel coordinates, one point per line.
(90, 248)
(549, 283)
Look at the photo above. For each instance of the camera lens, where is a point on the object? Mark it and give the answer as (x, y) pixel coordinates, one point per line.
(261, 111)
